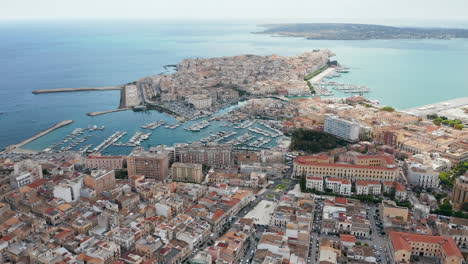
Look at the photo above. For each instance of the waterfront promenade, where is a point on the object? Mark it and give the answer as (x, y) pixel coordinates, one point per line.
(321, 75)
(63, 90)
(38, 135)
(454, 109)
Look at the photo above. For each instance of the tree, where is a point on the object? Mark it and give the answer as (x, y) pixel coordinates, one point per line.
(302, 182)
(314, 141)
(388, 109)
(459, 126)
(358, 243)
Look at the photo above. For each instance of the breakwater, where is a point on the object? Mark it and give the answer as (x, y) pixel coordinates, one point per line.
(38, 135)
(63, 90)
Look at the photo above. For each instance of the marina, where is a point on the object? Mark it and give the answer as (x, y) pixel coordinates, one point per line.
(154, 125)
(259, 142)
(198, 126)
(108, 142)
(135, 140)
(245, 124)
(173, 126)
(222, 135)
(241, 139)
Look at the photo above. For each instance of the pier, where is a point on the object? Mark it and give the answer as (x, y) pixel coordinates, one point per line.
(40, 134)
(63, 90)
(107, 112)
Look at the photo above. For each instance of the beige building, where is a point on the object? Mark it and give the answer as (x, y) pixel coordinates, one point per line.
(104, 162)
(200, 101)
(362, 167)
(100, 180)
(150, 164)
(460, 192)
(187, 172)
(404, 245)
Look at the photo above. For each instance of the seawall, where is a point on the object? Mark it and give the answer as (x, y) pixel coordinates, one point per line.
(63, 90)
(38, 135)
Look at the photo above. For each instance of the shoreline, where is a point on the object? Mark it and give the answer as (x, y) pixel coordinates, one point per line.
(36, 136)
(65, 90)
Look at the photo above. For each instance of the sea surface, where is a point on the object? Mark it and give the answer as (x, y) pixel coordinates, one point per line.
(67, 54)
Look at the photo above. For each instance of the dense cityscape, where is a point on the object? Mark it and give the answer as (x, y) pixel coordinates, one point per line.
(353, 182)
(233, 132)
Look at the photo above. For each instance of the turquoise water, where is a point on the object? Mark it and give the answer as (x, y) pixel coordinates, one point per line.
(45, 55)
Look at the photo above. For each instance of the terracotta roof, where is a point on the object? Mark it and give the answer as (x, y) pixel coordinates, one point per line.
(400, 187)
(343, 181)
(367, 182)
(37, 183)
(347, 238)
(218, 214)
(400, 241)
(315, 178)
(341, 200)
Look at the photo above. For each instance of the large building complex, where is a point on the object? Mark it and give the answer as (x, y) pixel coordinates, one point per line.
(341, 128)
(150, 164)
(104, 162)
(359, 167)
(404, 245)
(200, 101)
(212, 154)
(421, 175)
(187, 172)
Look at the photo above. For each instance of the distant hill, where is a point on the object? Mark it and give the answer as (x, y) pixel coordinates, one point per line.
(340, 31)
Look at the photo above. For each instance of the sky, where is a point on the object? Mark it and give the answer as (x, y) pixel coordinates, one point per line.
(425, 12)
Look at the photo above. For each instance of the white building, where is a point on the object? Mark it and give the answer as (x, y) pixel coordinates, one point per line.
(69, 190)
(368, 187)
(162, 209)
(339, 186)
(314, 183)
(341, 128)
(200, 101)
(421, 175)
(19, 180)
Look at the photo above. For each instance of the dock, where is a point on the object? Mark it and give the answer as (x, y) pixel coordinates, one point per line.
(40, 134)
(107, 112)
(63, 90)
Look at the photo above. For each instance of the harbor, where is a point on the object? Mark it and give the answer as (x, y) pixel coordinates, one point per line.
(225, 126)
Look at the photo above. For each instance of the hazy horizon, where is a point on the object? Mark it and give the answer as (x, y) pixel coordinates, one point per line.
(398, 12)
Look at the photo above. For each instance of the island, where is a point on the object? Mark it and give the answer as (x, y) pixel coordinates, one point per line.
(201, 86)
(346, 31)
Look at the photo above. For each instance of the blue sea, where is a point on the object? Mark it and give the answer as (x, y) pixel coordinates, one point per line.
(66, 54)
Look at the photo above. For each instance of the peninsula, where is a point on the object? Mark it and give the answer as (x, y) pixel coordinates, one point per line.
(344, 31)
(202, 85)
